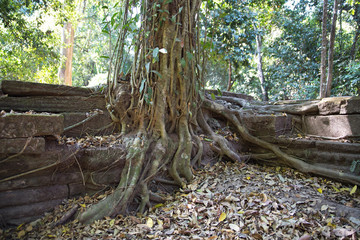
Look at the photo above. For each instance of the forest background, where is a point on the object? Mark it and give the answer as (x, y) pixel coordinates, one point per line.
(270, 50)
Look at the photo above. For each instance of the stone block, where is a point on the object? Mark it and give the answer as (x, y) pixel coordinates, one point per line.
(30, 125)
(337, 126)
(99, 125)
(350, 106)
(24, 145)
(37, 181)
(32, 195)
(268, 125)
(339, 105)
(28, 210)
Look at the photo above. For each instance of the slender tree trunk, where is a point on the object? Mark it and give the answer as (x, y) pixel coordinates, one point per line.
(331, 50)
(353, 47)
(260, 69)
(323, 52)
(65, 71)
(230, 82)
(357, 33)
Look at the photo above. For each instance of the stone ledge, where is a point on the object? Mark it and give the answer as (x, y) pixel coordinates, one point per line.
(30, 125)
(339, 105)
(336, 126)
(17, 145)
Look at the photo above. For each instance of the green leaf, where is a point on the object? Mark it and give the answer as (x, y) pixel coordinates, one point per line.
(155, 52)
(183, 62)
(147, 67)
(157, 73)
(219, 91)
(142, 85)
(189, 56)
(213, 96)
(104, 56)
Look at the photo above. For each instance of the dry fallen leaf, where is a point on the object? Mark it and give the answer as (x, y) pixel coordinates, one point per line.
(234, 227)
(222, 217)
(149, 222)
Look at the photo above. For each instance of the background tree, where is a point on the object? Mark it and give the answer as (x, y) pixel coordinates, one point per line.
(28, 49)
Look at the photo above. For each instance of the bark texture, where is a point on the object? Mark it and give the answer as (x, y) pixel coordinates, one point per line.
(331, 50)
(323, 51)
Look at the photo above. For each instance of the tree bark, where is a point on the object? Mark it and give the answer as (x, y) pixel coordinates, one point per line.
(65, 71)
(357, 33)
(353, 47)
(260, 69)
(230, 82)
(331, 51)
(323, 52)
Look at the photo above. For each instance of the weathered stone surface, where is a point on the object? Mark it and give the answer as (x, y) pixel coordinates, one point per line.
(32, 195)
(98, 158)
(337, 126)
(107, 177)
(339, 147)
(99, 125)
(30, 125)
(339, 105)
(350, 106)
(76, 188)
(16, 145)
(55, 104)
(37, 181)
(268, 125)
(18, 88)
(28, 210)
(61, 161)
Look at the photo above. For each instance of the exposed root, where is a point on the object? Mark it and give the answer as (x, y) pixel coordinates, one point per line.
(180, 166)
(300, 165)
(219, 140)
(118, 201)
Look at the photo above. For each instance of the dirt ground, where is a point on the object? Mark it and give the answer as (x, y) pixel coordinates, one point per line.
(225, 201)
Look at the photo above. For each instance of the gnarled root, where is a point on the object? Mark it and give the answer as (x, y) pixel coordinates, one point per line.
(118, 201)
(233, 117)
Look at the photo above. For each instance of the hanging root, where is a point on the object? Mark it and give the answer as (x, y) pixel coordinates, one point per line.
(233, 116)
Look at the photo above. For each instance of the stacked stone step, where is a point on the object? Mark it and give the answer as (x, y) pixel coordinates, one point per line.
(36, 172)
(74, 103)
(27, 187)
(338, 117)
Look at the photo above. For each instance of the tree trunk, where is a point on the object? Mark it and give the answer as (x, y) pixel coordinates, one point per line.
(323, 52)
(230, 82)
(65, 71)
(353, 47)
(162, 108)
(158, 102)
(357, 33)
(331, 51)
(260, 69)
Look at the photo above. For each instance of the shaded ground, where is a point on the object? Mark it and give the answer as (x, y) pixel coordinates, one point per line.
(225, 201)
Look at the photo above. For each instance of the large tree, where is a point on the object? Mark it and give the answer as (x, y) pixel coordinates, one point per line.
(161, 107)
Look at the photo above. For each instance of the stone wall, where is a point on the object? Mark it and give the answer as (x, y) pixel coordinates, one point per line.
(36, 172)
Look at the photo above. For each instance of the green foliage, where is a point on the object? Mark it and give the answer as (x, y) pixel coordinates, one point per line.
(26, 50)
(349, 82)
